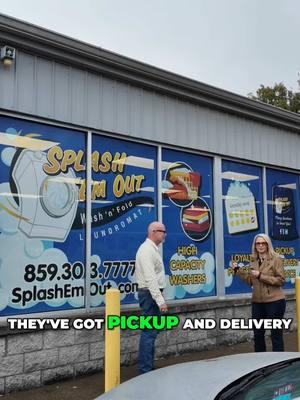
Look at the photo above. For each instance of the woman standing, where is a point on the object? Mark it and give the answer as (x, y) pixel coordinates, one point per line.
(266, 276)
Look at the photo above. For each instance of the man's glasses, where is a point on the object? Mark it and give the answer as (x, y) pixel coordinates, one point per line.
(160, 230)
(261, 244)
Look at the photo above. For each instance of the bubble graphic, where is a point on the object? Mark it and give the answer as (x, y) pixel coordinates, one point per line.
(7, 155)
(34, 248)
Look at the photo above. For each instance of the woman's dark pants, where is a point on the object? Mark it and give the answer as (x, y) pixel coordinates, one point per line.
(274, 309)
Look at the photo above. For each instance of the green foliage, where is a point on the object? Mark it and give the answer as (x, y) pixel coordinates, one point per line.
(278, 96)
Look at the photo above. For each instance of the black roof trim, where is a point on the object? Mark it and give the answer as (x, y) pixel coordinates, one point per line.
(40, 41)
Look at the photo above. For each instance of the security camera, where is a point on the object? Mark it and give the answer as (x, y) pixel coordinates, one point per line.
(8, 54)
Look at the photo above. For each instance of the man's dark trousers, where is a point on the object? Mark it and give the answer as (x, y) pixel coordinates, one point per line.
(148, 336)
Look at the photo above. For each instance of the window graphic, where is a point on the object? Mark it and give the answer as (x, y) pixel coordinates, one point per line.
(187, 213)
(123, 204)
(242, 218)
(283, 220)
(42, 256)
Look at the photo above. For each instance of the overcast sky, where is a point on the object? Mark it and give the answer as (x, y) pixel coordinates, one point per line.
(232, 44)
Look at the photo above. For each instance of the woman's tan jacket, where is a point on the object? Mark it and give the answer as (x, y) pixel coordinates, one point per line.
(268, 287)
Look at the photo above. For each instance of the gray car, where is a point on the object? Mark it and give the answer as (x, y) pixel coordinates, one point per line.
(250, 376)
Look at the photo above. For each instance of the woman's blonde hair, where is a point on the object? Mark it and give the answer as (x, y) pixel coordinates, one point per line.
(271, 252)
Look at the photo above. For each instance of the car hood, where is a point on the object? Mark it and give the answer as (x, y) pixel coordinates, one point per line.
(194, 380)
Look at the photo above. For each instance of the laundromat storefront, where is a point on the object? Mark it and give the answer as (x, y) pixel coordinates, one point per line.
(45, 262)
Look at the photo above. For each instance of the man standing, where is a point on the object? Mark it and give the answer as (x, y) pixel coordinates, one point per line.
(150, 277)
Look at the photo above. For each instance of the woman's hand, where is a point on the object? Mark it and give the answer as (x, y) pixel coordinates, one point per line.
(255, 273)
(234, 266)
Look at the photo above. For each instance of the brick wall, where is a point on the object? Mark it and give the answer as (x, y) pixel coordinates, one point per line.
(32, 359)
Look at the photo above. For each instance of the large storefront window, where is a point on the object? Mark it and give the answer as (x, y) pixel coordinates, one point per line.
(187, 190)
(123, 204)
(42, 260)
(242, 217)
(43, 218)
(283, 219)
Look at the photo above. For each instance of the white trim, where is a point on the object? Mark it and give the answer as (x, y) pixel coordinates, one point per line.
(159, 191)
(218, 227)
(88, 211)
(264, 198)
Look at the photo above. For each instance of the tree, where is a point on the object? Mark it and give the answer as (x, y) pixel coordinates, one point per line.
(278, 96)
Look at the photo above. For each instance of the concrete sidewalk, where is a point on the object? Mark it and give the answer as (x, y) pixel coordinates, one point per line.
(89, 387)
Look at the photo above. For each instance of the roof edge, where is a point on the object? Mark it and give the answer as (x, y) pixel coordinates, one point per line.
(43, 42)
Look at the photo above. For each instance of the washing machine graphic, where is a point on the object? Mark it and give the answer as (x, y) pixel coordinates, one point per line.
(48, 204)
